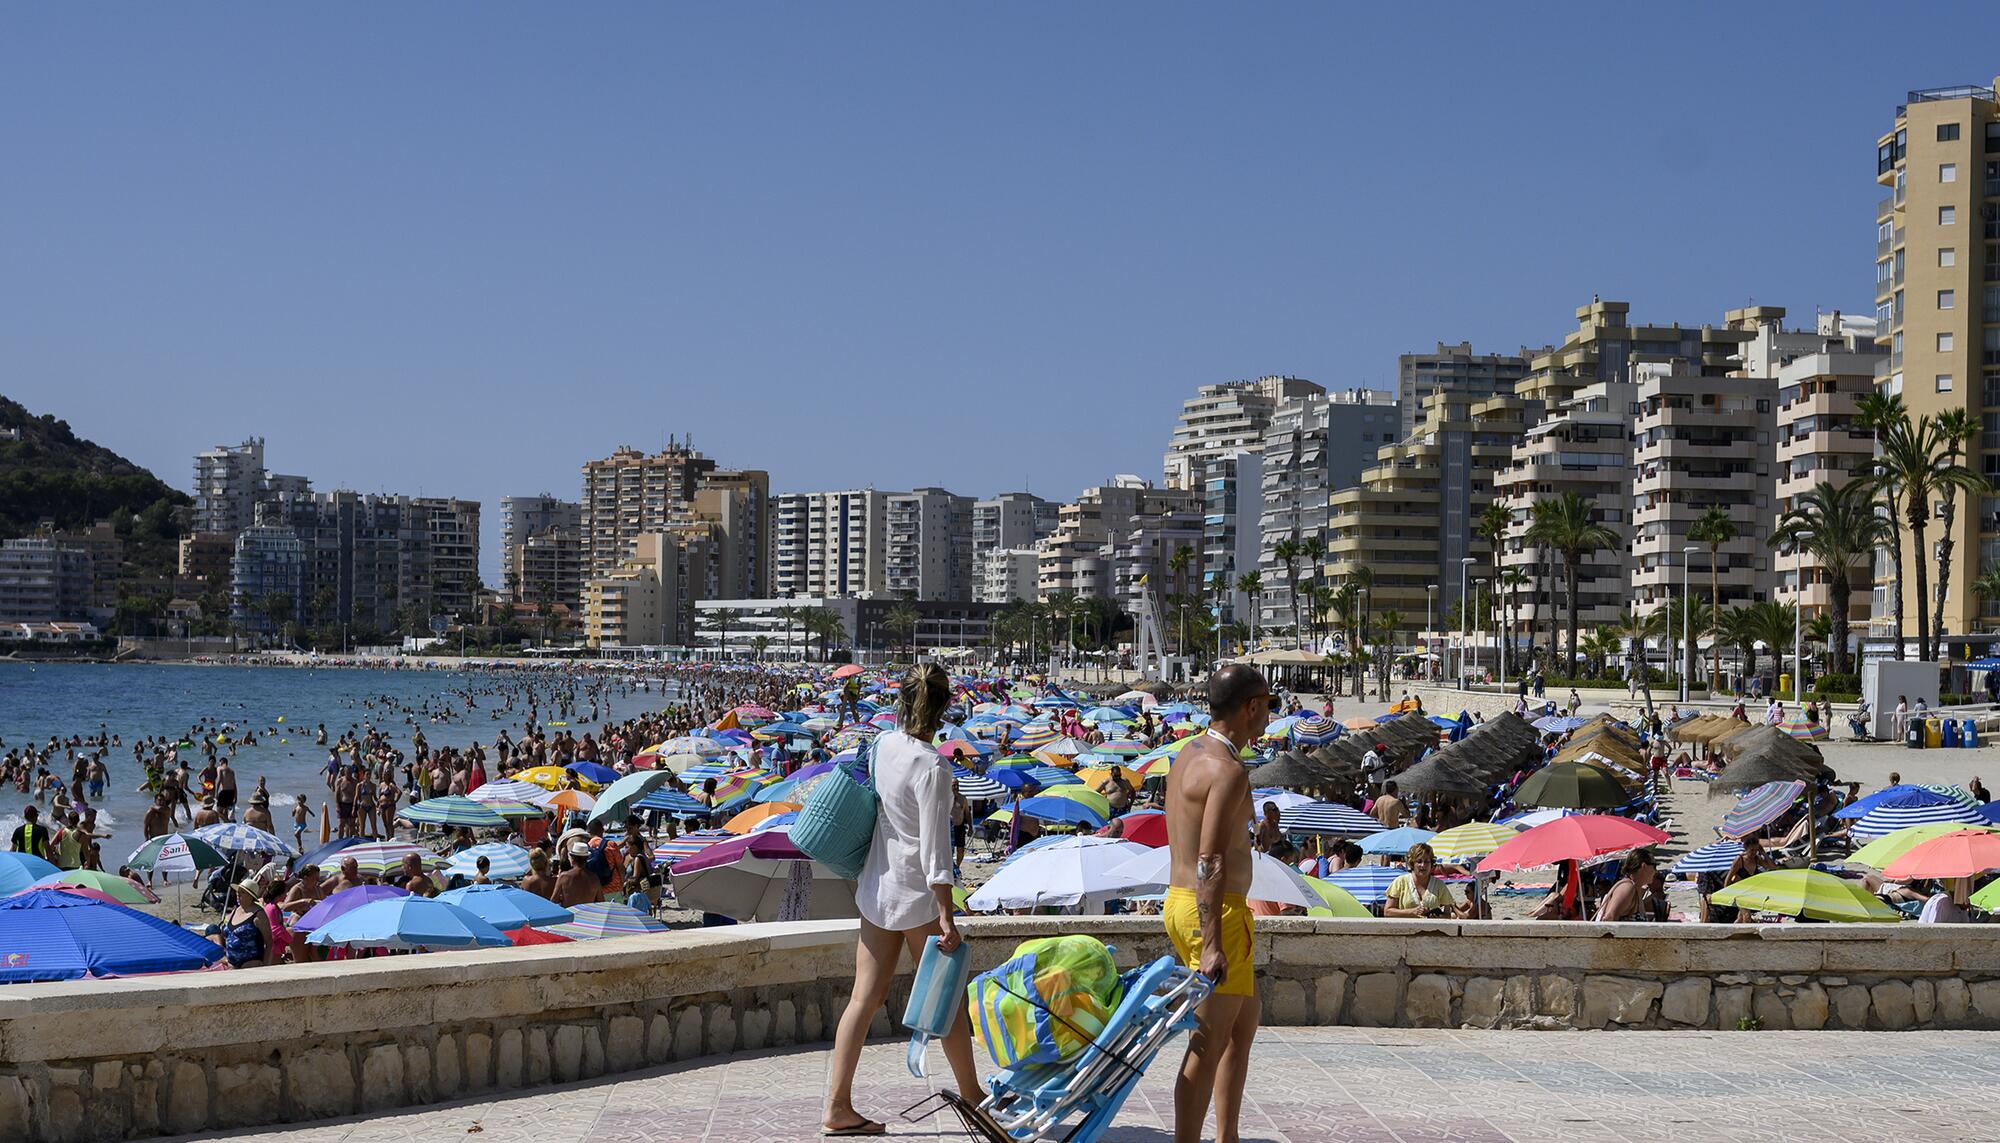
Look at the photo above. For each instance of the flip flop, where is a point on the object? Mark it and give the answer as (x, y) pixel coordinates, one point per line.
(865, 1127)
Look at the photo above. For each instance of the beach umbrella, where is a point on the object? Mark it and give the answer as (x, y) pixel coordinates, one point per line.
(572, 801)
(61, 936)
(547, 777)
(672, 850)
(325, 850)
(1805, 893)
(510, 790)
(83, 891)
(1335, 901)
(1801, 728)
(1105, 714)
(979, 787)
(1759, 807)
(1062, 811)
(1960, 853)
(452, 810)
(688, 744)
(235, 837)
(176, 853)
(1887, 819)
(1715, 857)
(1060, 871)
(123, 890)
(1283, 799)
(1147, 827)
(504, 862)
(20, 870)
(1473, 839)
(381, 856)
(536, 937)
(599, 919)
(1573, 785)
(1571, 839)
(1327, 818)
(1878, 854)
(1537, 817)
(960, 748)
(345, 901)
(1903, 795)
(1082, 796)
(1315, 730)
(673, 802)
(1559, 724)
(762, 877)
(505, 907)
(516, 810)
(1395, 842)
(591, 772)
(1150, 871)
(410, 922)
(755, 816)
(1368, 884)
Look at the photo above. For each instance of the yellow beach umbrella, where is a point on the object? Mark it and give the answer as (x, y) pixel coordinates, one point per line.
(1082, 796)
(1878, 854)
(1339, 902)
(1473, 839)
(547, 777)
(749, 819)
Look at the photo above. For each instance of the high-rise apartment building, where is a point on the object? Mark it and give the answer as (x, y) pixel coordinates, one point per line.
(366, 559)
(1937, 305)
(830, 543)
(1144, 555)
(1079, 557)
(1818, 443)
(542, 550)
(929, 545)
(1007, 575)
(269, 569)
(738, 503)
(629, 494)
(1314, 446)
(639, 603)
(1224, 419)
(452, 537)
(44, 580)
(229, 483)
(1232, 530)
(1455, 368)
(1011, 520)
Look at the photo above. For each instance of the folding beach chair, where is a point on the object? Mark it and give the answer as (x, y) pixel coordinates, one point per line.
(1038, 1102)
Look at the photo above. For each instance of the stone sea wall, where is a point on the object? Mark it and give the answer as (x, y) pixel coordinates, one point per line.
(130, 1058)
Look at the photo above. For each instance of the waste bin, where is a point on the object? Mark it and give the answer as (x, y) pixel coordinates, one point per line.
(1933, 734)
(1949, 733)
(1913, 737)
(1785, 683)
(1970, 737)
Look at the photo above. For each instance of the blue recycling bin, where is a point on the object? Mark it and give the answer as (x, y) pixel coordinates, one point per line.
(1970, 738)
(1948, 735)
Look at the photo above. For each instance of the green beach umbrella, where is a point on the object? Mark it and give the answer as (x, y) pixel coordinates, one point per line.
(1805, 893)
(124, 890)
(1878, 854)
(176, 853)
(1573, 786)
(1339, 902)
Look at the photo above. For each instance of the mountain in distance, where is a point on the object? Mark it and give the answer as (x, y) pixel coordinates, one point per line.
(49, 475)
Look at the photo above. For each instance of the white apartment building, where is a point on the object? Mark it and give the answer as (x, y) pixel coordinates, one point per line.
(1078, 557)
(1315, 446)
(1817, 443)
(1224, 419)
(541, 549)
(1232, 530)
(1011, 520)
(229, 483)
(929, 545)
(830, 543)
(1007, 575)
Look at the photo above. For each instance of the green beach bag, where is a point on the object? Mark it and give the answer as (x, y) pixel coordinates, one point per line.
(836, 825)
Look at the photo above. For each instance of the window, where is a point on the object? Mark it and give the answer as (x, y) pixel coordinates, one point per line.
(1947, 172)
(1947, 299)
(1945, 342)
(1947, 256)
(1947, 216)
(1946, 132)
(1944, 382)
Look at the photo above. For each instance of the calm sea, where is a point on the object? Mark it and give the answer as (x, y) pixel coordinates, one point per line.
(135, 700)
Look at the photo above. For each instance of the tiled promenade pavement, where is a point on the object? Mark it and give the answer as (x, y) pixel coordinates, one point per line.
(1323, 1085)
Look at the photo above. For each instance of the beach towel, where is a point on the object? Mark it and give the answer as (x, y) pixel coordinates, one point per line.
(1047, 1003)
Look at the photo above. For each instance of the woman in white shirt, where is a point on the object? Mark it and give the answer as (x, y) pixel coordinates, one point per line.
(904, 891)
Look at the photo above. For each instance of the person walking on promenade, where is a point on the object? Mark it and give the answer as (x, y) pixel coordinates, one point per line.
(1207, 914)
(904, 891)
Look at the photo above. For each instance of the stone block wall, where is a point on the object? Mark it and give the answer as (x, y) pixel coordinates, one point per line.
(105, 1060)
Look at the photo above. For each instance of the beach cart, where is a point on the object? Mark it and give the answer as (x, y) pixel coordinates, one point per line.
(1075, 1102)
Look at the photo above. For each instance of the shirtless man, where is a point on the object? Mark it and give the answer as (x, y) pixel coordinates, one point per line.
(413, 877)
(1207, 918)
(577, 885)
(350, 876)
(157, 822)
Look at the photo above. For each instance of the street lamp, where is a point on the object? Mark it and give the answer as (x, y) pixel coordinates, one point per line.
(1687, 650)
(1430, 625)
(1463, 563)
(1798, 618)
(1472, 626)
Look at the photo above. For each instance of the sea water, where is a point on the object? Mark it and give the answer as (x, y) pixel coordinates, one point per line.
(134, 700)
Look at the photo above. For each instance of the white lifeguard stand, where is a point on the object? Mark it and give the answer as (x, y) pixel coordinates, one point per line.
(1149, 649)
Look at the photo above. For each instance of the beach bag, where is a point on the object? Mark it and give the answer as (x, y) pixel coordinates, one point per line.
(1047, 1004)
(837, 823)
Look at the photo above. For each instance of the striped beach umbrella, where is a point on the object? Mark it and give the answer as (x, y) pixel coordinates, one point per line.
(1327, 818)
(510, 790)
(235, 837)
(1368, 884)
(673, 849)
(1715, 857)
(1887, 819)
(674, 802)
(514, 811)
(605, 919)
(979, 788)
(176, 853)
(1473, 839)
(1801, 728)
(380, 857)
(1759, 807)
(1558, 724)
(504, 862)
(452, 811)
(1806, 893)
(1035, 737)
(1315, 730)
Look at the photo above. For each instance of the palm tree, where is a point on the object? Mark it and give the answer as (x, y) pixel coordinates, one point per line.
(1492, 527)
(759, 645)
(1251, 584)
(1544, 586)
(1773, 624)
(902, 621)
(1956, 430)
(1345, 611)
(1838, 526)
(1739, 629)
(1714, 528)
(1568, 528)
(1288, 553)
(1638, 627)
(1322, 604)
(1598, 647)
(1178, 564)
(1912, 462)
(1386, 626)
(1511, 579)
(789, 615)
(1879, 414)
(1987, 585)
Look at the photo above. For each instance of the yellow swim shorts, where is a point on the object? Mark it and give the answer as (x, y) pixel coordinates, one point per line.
(1238, 938)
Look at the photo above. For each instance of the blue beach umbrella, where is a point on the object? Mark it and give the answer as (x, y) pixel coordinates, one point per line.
(503, 861)
(235, 837)
(452, 811)
(1715, 857)
(1062, 811)
(409, 923)
(1905, 795)
(1315, 730)
(1327, 818)
(343, 902)
(673, 802)
(58, 936)
(1887, 819)
(20, 870)
(592, 772)
(1368, 883)
(1760, 807)
(505, 907)
(1394, 842)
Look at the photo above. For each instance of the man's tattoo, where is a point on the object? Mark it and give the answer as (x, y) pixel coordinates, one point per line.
(1202, 912)
(1207, 867)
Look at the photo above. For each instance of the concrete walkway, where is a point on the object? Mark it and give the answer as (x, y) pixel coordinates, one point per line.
(1325, 1085)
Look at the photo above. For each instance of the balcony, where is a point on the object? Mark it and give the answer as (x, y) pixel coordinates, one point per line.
(1885, 208)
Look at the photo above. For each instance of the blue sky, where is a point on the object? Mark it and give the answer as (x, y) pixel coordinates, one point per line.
(461, 249)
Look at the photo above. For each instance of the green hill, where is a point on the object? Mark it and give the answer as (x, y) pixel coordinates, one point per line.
(51, 474)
